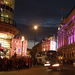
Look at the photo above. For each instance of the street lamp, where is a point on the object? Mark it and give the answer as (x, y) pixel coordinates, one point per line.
(22, 44)
(35, 27)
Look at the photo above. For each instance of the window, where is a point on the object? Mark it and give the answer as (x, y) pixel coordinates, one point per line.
(1, 10)
(73, 54)
(70, 55)
(6, 12)
(3, 6)
(7, 7)
(64, 54)
(67, 55)
(11, 9)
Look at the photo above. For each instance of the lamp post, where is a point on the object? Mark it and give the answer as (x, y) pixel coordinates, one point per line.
(35, 27)
(22, 44)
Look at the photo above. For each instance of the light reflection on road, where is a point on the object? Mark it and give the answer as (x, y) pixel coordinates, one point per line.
(41, 70)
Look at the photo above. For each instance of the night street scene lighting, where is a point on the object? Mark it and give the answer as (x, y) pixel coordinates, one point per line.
(35, 27)
(22, 44)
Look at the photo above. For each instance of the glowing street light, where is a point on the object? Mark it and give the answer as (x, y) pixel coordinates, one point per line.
(35, 27)
(22, 44)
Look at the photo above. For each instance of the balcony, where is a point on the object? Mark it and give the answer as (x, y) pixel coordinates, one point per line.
(7, 21)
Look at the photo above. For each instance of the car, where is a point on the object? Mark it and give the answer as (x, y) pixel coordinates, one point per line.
(54, 64)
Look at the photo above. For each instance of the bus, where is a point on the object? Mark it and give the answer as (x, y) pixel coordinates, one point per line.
(45, 55)
(51, 54)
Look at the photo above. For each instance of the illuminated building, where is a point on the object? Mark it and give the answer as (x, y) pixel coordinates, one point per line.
(7, 24)
(66, 37)
(57, 43)
(17, 47)
(49, 43)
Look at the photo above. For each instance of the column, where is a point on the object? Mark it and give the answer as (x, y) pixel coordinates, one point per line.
(74, 51)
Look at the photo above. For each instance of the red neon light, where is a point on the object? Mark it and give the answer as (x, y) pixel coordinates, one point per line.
(2, 48)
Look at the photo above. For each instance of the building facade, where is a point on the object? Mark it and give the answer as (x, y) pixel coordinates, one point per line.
(66, 37)
(49, 43)
(7, 25)
(45, 45)
(37, 48)
(18, 47)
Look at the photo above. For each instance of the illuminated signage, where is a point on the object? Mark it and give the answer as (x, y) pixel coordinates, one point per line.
(52, 45)
(18, 50)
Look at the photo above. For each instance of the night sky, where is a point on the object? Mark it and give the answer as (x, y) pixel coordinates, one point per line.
(44, 13)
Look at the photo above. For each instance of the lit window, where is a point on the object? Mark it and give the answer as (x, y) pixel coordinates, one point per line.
(44, 49)
(23, 51)
(6, 15)
(58, 28)
(1, 14)
(1, 9)
(6, 2)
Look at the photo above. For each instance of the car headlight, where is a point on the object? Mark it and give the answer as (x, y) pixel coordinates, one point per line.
(46, 64)
(55, 65)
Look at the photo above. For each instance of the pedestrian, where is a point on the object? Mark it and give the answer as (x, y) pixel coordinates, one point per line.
(31, 62)
(5, 64)
(28, 63)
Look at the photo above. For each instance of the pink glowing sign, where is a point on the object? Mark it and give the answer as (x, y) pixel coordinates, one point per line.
(53, 45)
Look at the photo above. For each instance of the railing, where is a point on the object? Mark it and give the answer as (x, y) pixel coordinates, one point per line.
(8, 21)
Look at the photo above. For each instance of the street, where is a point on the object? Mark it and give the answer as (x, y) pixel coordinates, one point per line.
(41, 70)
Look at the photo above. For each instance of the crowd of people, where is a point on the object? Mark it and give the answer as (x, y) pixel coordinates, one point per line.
(15, 63)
